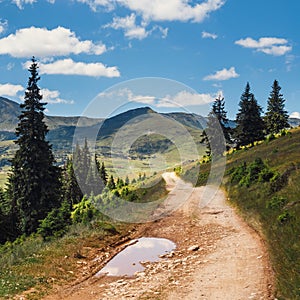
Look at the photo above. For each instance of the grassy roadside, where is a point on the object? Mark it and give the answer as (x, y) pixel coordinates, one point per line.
(31, 264)
(263, 183)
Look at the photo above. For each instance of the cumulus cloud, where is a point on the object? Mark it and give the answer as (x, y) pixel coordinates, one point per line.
(186, 98)
(207, 35)
(167, 10)
(128, 24)
(11, 90)
(268, 45)
(43, 42)
(53, 97)
(295, 114)
(134, 31)
(70, 67)
(224, 74)
(183, 98)
(94, 4)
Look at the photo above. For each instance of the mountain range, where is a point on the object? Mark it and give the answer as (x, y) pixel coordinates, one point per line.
(62, 129)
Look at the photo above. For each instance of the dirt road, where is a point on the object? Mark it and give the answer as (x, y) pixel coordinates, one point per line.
(217, 256)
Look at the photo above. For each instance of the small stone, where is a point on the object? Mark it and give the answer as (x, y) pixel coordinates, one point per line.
(194, 248)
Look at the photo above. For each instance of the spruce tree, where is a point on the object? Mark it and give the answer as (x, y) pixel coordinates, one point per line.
(249, 123)
(34, 183)
(216, 133)
(103, 174)
(276, 117)
(111, 183)
(94, 183)
(71, 190)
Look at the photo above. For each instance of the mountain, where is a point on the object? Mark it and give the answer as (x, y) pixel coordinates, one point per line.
(10, 110)
(294, 122)
(62, 130)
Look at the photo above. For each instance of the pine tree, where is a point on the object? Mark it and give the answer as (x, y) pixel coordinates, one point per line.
(71, 190)
(276, 117)
(249, 123)
(111, 183)
(103, 174)
(86, 160)
(34, 183)
(94, 183)
(216, 133)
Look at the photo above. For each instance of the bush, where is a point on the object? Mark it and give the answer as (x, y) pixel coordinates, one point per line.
(276, 202)
(56, 222)
(238, 173)
(285, 218)
(84, 211)
(257, 171)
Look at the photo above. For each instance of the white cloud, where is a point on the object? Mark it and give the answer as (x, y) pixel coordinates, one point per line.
(268, 45)
(182, 98)
(3, 25)
(20, 3)
(53, 97)
(167, 10)
(69, 67)
(164, 31)
(134, 31)
(224, 74)
(295, 114)
(128, 24)
(12, 90)
(42, 42)
(289, 59)
(94, 4)
(207, 35)
(276, 50)
(186, 98)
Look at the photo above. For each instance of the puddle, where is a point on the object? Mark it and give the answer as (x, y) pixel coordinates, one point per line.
(127, 262)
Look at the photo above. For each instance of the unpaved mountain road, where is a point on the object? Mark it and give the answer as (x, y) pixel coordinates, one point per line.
(218, 256)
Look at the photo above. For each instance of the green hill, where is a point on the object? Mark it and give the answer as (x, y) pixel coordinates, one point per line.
(62, 130)
(263, 182)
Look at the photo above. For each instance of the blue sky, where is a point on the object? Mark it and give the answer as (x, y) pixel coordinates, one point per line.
(85, 47)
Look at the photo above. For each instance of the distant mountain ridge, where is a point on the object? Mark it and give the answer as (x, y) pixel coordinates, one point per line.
(62, 130)
(10, 110)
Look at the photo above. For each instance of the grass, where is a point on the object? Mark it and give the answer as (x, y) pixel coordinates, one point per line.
(271, 207)
(35, 265)
(32, 264)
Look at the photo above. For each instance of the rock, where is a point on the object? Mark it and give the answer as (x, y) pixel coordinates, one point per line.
(194, 248)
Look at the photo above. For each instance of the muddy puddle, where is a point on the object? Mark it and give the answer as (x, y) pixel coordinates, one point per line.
(127, 262)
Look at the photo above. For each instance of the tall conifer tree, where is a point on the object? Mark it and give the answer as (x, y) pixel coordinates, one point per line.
(34, 184)
(276, 116)
(249, 123)
(216, 133)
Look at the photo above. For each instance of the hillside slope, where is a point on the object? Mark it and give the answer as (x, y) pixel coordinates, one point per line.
(263, 182)
(62, 130)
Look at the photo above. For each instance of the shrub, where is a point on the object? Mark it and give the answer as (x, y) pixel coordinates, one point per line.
(285, 217)
(238, 173)
(84, 211)
(56, 222)
(276, 202)
(257, 171)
